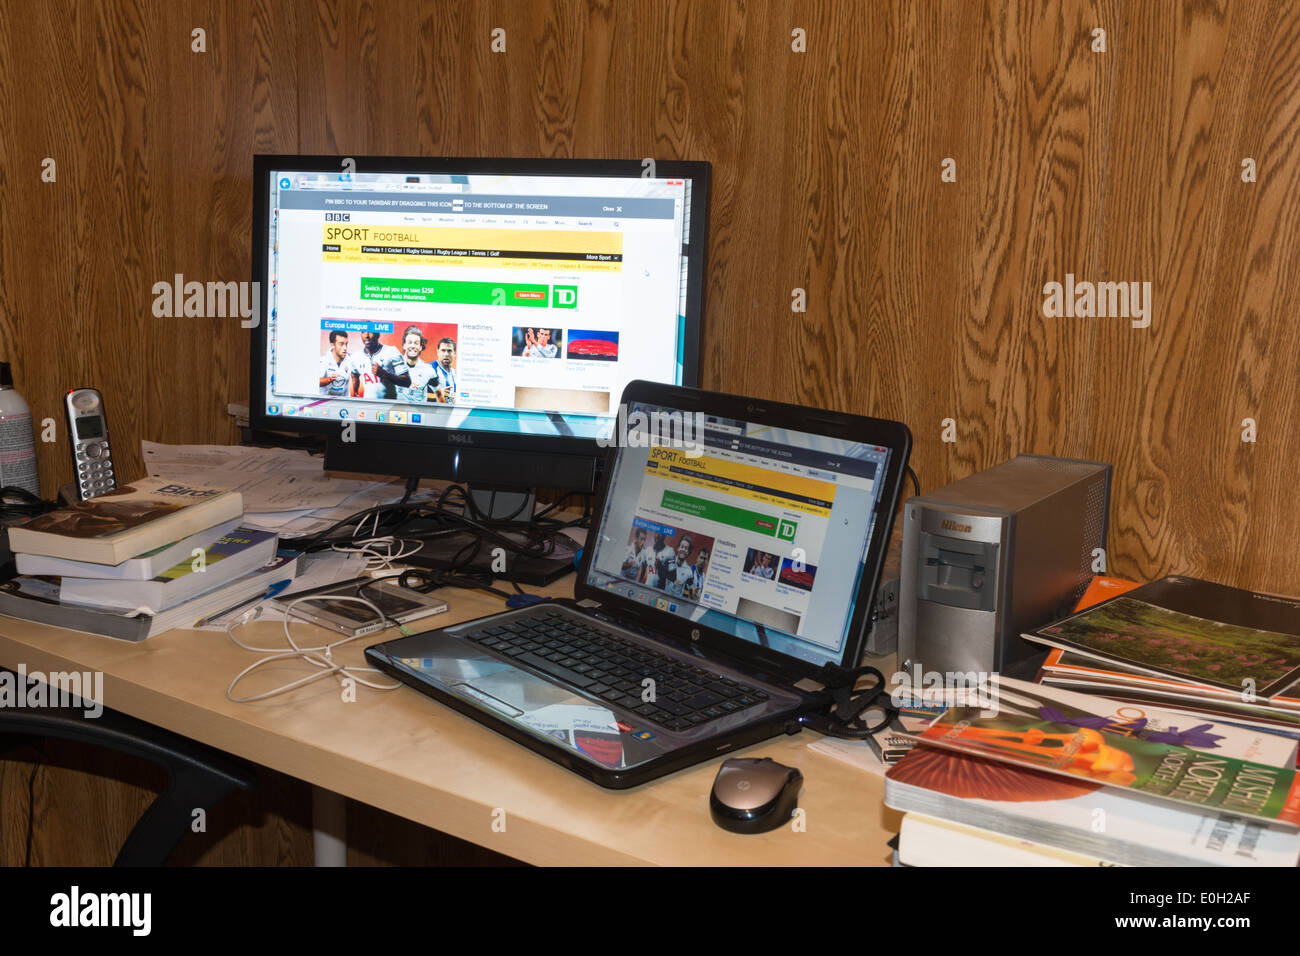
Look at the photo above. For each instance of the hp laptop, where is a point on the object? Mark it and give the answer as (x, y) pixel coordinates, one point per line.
(735, 549)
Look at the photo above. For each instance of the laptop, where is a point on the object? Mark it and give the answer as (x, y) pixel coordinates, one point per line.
(735, 549)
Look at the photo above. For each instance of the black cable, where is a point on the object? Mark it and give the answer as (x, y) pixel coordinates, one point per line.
(539, 546)
(431, 580)
(28, 505)
(915, 484)
(451, 514)
(554, 505)
(411, 485)
(31, 807)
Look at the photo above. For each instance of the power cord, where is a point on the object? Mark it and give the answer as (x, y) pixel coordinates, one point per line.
(377, 534)
(31, 793)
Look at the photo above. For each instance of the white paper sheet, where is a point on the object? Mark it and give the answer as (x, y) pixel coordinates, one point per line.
(274, 480)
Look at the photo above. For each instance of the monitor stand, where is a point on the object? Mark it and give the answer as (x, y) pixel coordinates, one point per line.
(515, 505)
(508, 509)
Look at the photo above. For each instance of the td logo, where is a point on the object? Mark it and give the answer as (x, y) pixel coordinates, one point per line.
(785, 530)
(564, 297)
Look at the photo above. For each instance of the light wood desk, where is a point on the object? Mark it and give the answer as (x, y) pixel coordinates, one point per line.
(407, 754)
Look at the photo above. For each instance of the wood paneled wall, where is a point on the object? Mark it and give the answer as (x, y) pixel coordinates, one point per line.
(924, 297)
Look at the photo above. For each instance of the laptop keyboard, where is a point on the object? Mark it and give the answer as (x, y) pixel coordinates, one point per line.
(603, 664)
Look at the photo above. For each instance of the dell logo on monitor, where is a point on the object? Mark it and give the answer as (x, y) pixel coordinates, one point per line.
(460, 439)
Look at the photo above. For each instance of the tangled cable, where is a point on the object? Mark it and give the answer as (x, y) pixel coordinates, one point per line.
(321, 657)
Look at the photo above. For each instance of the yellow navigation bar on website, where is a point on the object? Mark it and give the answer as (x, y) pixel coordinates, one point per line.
(798, 492)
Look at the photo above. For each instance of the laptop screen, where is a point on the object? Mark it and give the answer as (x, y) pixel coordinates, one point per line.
(759, 532)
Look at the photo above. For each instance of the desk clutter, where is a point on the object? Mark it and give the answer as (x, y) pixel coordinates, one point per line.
(1161, 727)
(147, 558)
(1160, 730)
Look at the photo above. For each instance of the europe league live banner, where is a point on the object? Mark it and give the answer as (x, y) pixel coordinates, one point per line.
(393, 361)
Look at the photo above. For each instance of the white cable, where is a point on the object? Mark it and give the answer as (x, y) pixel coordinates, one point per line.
(377, 560)
(321, 656)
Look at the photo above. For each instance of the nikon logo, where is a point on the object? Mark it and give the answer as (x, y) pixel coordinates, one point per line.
(949, 525)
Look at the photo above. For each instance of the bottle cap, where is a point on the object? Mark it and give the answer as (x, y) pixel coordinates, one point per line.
(6, 376)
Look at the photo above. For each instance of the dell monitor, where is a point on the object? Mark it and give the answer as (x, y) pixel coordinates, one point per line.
(471, 319)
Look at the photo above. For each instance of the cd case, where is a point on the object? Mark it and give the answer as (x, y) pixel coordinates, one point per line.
(399, 605)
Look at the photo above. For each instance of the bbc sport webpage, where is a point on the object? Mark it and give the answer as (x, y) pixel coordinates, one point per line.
(476, 298)
(777, 543)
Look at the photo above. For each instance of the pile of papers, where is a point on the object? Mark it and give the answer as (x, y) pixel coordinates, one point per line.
(284, 490)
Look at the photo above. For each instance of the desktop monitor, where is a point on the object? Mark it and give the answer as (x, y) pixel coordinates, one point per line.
(471, 319)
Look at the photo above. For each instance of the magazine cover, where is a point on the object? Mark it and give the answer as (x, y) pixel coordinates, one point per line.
(1039, 729)
(1160, 640)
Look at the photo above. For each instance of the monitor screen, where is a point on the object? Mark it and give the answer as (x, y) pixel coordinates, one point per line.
(506, 298)
(759, 532)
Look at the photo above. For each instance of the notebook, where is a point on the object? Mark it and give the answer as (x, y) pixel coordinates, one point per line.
(735, 549)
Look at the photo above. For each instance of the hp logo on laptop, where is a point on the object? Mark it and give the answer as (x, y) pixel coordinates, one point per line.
(695, 633)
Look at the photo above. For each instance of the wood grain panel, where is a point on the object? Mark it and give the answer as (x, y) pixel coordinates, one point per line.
(1199, 89)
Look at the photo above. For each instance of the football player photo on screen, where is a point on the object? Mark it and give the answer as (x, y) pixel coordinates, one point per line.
(536, 341)
(388, 361)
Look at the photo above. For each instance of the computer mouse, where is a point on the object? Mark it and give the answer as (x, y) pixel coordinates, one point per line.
(754, 794)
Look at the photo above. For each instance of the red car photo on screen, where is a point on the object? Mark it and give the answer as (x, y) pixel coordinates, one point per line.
(797, 575)
(593, 345)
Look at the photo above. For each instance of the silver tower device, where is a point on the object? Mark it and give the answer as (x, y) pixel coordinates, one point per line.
(1001, 552)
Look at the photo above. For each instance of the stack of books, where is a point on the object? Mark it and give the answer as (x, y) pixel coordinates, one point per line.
(152, 556)
(1049, 777)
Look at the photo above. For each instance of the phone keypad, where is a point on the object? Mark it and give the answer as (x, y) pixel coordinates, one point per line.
(94, 469)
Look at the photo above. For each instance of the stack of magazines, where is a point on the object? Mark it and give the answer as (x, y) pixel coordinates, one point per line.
(152, 556)
(1185, 644)
(1045, 776)
(1162, 730)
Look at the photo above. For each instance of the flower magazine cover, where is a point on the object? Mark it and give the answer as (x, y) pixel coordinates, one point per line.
(1252, 641)
(1040, 728)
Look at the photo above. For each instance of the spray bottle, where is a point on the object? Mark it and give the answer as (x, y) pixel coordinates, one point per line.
(17, 437)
